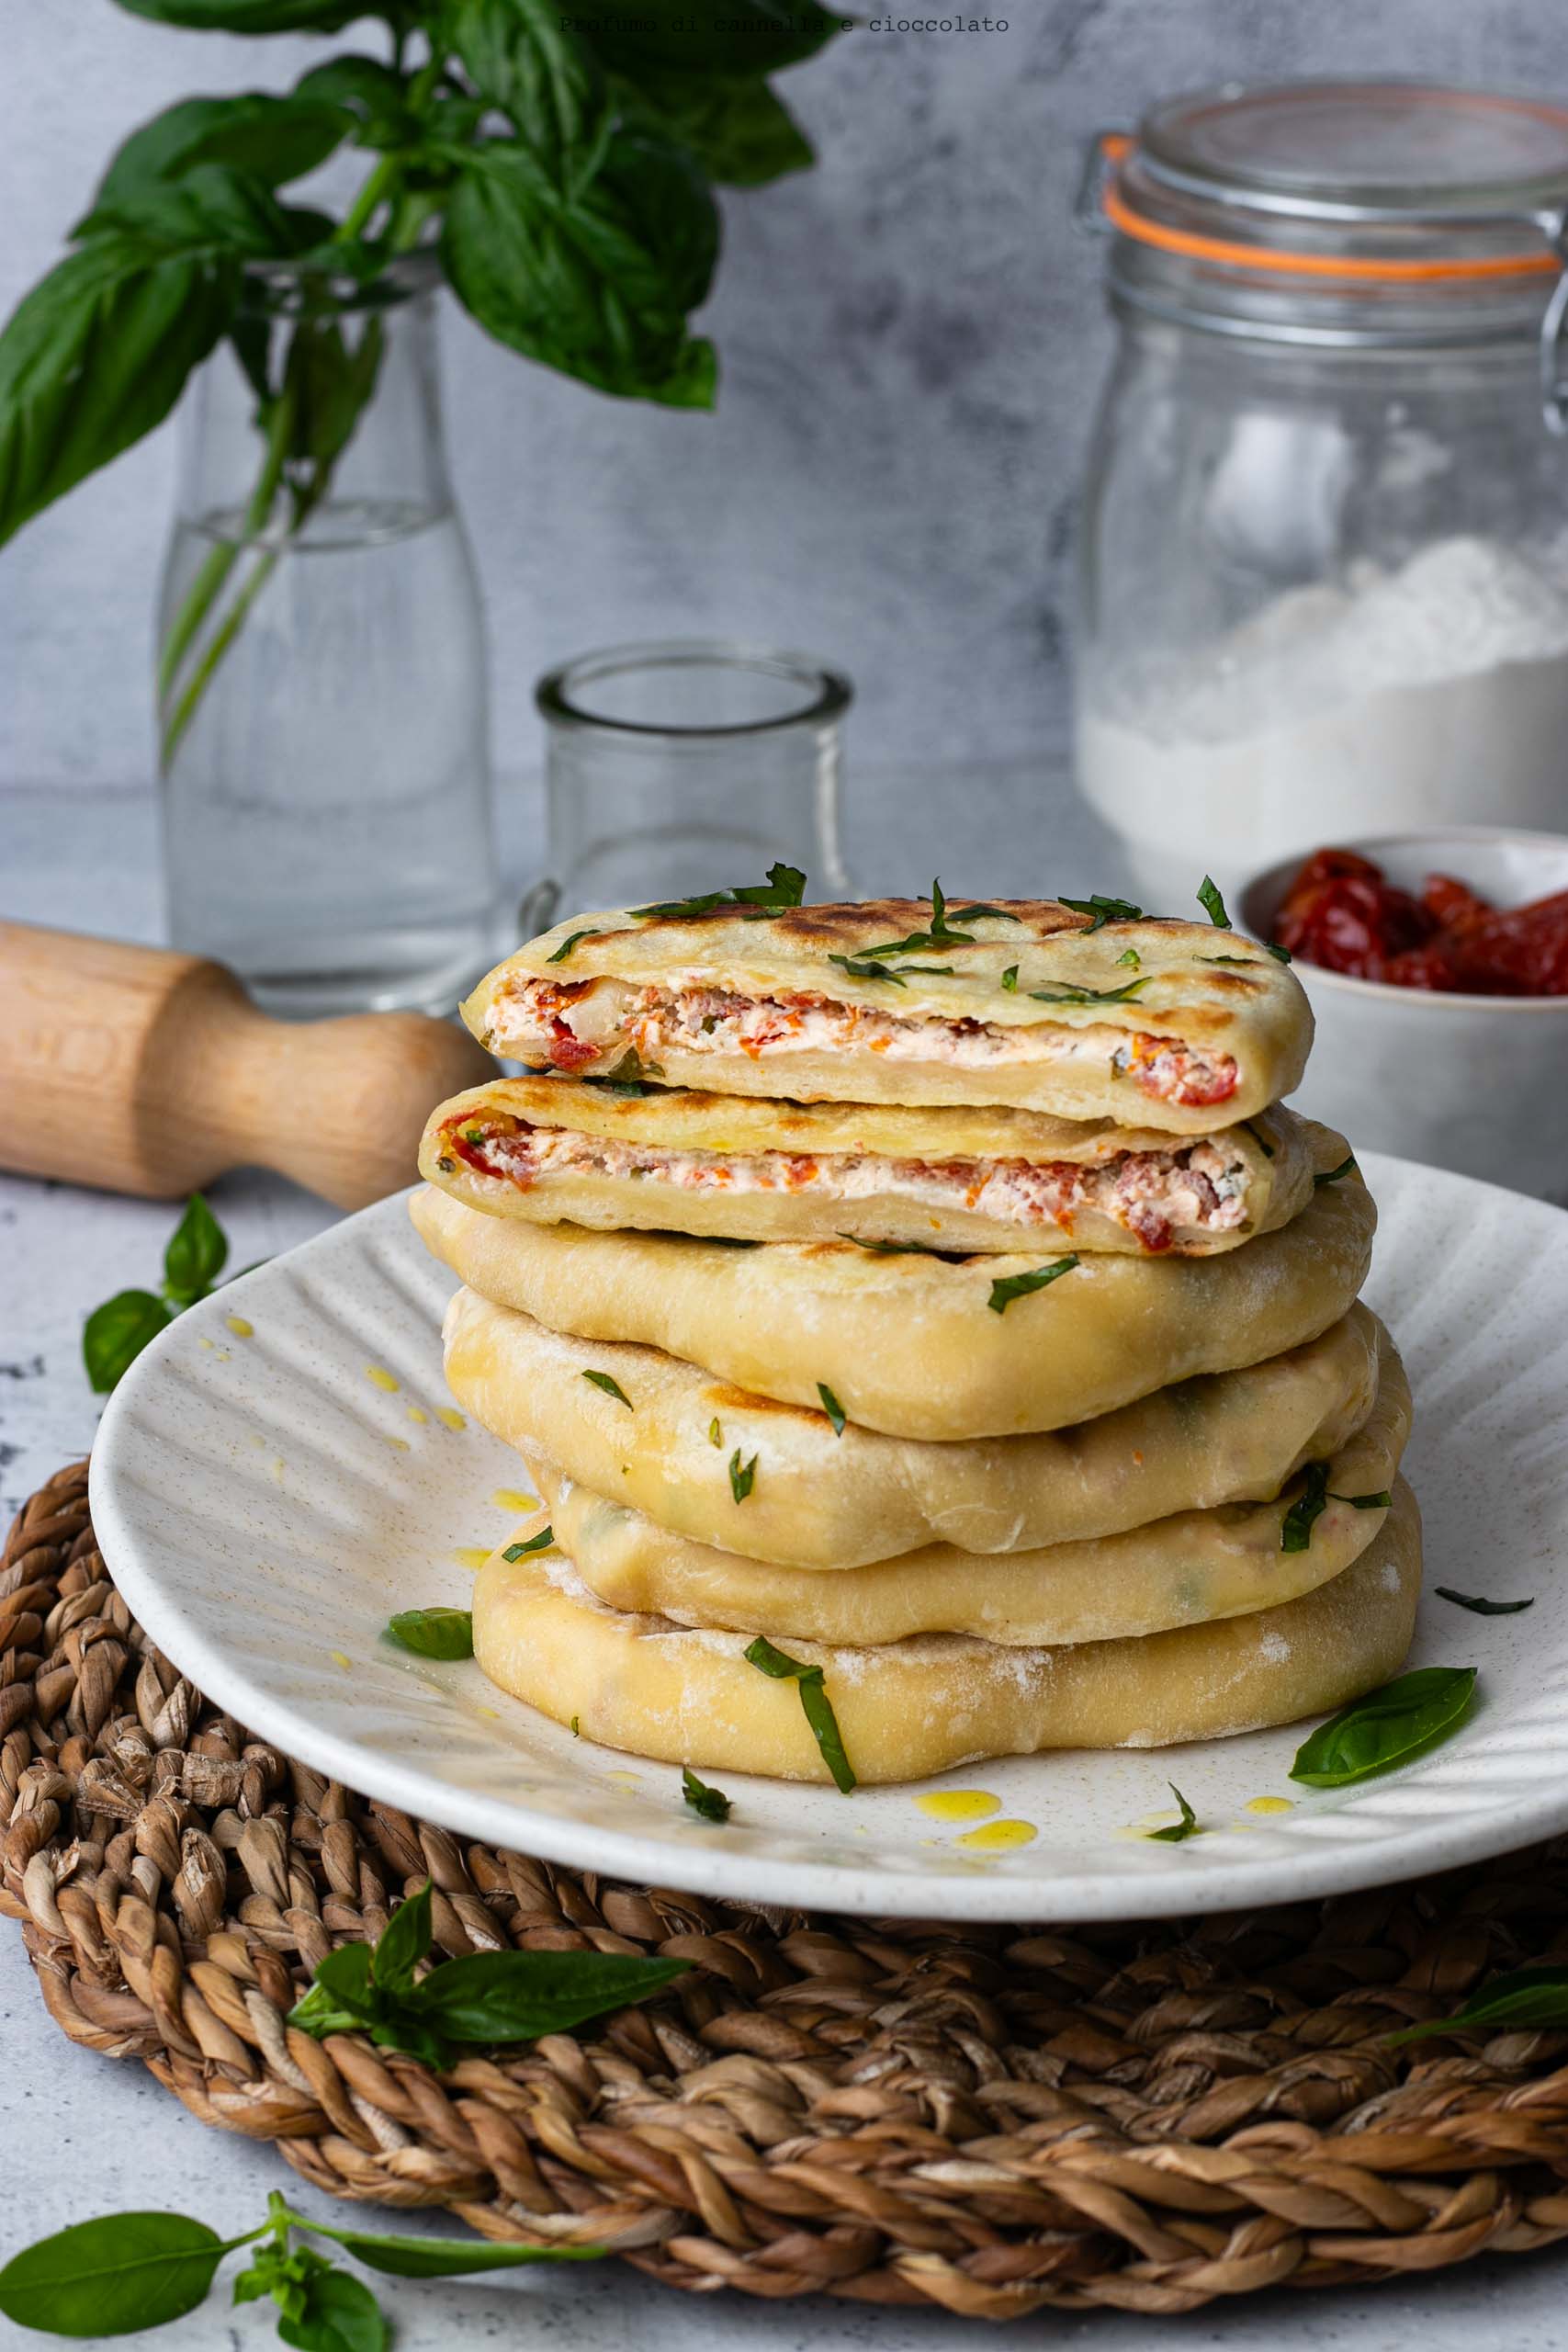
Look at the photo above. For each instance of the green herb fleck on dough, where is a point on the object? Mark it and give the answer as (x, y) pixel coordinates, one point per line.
(540, 1543)
(716, 1435)
(815, 1703)
(742, 1475)
(1012, 1286)
(564, 950)
(611, 1387)
(832, 1407)
(1295, 1528)
(1130, 955)
(1010, 980)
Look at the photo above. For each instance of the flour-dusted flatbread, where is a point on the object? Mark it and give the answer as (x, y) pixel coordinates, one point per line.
(1186, 1570)
(1162, 1024)
(826, 1500)
(689, 1696)
(921, 1346)
(964, 1177)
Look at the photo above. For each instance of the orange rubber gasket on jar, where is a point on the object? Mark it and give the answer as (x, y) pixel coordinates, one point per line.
(1136, 225)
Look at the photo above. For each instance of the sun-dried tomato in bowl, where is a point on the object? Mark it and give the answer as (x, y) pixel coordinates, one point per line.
(1342, 911)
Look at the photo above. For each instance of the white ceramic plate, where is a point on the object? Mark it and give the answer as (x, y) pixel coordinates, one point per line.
(267, 1492)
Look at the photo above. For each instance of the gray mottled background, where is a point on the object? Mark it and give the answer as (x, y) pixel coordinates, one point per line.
(912, 343)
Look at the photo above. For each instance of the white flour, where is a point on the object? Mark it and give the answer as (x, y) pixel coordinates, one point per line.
(1437, 694)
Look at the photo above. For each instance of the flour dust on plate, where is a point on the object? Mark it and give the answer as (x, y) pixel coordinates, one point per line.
(268, 1572)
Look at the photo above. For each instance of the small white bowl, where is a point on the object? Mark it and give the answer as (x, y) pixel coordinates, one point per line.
(1477, 1083)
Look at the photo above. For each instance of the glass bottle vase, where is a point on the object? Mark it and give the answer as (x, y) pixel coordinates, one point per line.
(322, 692)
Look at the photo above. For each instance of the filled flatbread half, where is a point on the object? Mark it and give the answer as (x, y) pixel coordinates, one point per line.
(960, 1177)
(827, 1494)
(1188, 1570)
(925, 1346)
(1148, 1022)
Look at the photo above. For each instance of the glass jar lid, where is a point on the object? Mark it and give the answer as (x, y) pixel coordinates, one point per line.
(1388, 180)
(1367, 214)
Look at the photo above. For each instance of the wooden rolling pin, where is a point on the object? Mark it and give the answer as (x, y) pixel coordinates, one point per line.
(138, 1071)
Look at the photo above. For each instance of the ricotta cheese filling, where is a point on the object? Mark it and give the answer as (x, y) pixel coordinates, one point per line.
(1156, 1195)
(572, 1025)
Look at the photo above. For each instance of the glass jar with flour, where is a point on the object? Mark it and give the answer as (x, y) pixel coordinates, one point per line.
(1325, 560)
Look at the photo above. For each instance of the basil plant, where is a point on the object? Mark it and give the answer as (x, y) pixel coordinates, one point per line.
(559, 165)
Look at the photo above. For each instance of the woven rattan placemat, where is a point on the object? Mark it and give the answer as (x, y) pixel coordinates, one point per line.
(987, 2118)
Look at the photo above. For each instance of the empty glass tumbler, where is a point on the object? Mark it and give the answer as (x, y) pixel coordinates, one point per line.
(687, 766)
(322, 703)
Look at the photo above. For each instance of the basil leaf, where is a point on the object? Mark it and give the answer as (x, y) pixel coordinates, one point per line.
(1128, 990)
(1483, 1608)
(115, 1334)
(1383, 1500)
(518, 1996)
(1224, 959)
(543, 1542)
(741, 133)
(1010, 980)
(832, 1407)
(1295, 1527)
(97, 356)
(815, 1703)
(269, 139)
(523, 57)
(371, 91)
(404, 1942)
(742, 1475)
(597, 281)
(1280, 955)
(1186, 1828)
(752, 35)
(1213, 906)
(785, 887)
(1347, 1168)
(342, 1998)
(712, 1803)
(112, 2276)
(1130, 955)
(1385, 1728)
(1012, 1286)
(564, 950)
(859, 969)
(611, 1387)
(932, 971)
(339, 2314)
(972, 914)
(443, 2257)
(196, 1255)
(1521, 1999)
(1103, 910)
(434, 1633)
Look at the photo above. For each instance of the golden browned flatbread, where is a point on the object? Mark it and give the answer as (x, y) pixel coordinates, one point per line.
(964, 1177)
(689, 1696)
(1151, 1023)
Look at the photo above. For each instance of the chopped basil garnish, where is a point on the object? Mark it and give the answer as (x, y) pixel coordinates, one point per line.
(1280, 955)
(1224, 959)
(577, 1727)
(970, 914)
(939, 934)
(859, 969)
(448, 1167)
(1381, 1501)
(832, 1407)
(1522, 1999)
(1186, 1828)
(1092, 996)
(712, 1803)
(540, 1543)
(434, 1633)
(1347, 1168)
(1483, 1608)
(1013, 1287)
(628, 1075)
(932, 971)
(1130, 955)
(895, 1249)
(716, 1435)
(814, 1700)
(1010, 980)
(564, 950)
(612, 1389)
(1387, 1727)
(1295, 1528)
(1213, 906)
(742, 1475)
(785, 887)
(1104, 910)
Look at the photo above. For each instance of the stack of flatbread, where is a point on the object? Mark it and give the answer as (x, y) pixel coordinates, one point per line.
(928, 1334)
